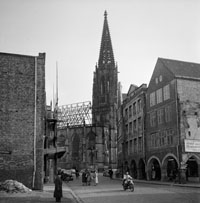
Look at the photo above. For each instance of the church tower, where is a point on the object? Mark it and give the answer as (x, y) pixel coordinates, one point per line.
(105, 93)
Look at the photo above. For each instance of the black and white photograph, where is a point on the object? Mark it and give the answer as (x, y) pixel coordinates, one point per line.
(100, 101)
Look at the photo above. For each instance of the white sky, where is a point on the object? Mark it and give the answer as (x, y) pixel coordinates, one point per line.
(69, 32)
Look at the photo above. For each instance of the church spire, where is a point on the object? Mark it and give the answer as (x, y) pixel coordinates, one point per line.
(106, 57)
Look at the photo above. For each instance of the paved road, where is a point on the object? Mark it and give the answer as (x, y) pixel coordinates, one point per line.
(109, 191)
(45, 196)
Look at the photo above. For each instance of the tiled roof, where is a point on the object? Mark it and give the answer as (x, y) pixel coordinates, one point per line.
(182, 68)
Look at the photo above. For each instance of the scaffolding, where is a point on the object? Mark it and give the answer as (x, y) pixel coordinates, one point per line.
(74, 114)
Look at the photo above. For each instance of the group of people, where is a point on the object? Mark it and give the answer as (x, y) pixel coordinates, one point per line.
(88, 177)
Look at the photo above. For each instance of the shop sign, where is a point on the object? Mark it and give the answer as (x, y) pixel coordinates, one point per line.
(192, 145)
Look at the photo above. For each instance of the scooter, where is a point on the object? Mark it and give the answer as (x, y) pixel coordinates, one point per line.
(128, 185)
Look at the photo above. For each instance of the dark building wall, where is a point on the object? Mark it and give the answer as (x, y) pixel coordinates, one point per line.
(160, 78)
(17, 117)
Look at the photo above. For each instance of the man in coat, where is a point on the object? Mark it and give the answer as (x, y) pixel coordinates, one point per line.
(58, 188)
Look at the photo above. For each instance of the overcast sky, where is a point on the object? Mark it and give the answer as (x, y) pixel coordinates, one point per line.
(69, 32)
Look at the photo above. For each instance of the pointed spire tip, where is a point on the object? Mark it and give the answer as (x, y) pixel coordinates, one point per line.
(105, 14)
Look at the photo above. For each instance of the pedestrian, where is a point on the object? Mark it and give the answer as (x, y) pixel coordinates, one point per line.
(77, 174)
(58, 187)
(88, 175)
(96, 178)
(111, 173)
(84, 178)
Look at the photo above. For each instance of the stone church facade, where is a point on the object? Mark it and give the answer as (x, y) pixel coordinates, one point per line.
(86, 147)
(95, 145)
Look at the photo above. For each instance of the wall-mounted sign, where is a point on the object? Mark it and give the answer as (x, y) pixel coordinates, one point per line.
(192, 145)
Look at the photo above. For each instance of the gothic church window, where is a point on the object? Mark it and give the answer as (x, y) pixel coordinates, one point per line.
(75, 146)
(108, 86)
(102, 85)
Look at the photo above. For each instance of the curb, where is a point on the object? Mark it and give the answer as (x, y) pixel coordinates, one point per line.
(164, 183)
(77, 199)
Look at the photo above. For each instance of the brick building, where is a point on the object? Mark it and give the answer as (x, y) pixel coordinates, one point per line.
(22, 113)
(173, 113)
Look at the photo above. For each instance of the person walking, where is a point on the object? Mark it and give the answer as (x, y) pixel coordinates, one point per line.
(58, 188)
(88, 175)
(84, 178)
(96, 178)
(111, 173)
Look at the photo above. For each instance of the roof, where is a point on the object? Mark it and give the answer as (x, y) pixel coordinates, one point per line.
(132, 88)
(182, 68)
(106, 55)
(124, 96)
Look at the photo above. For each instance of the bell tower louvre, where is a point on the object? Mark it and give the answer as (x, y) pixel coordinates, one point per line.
(105, 94)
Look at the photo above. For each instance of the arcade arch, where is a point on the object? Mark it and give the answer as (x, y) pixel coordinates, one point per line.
(193, 168)
(170, 167)
(133, 169)
(141, 170)
(154, 168)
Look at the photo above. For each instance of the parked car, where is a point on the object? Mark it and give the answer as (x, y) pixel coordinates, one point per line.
(66, 175)
(106, 172)
(73, 171)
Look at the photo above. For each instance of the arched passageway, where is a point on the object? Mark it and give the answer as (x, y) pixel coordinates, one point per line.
(192, 172)
(170, 168)
(126, 167)
(154, 170)
(133, 169)
(141, 170)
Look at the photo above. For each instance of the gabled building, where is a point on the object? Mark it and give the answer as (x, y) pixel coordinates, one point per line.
(104, 98)
(172, 124)
(133, 142)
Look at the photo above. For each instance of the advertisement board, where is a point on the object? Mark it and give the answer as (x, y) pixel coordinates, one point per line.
(192, 145)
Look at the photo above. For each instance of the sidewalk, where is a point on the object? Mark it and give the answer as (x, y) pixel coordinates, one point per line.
(39, 196)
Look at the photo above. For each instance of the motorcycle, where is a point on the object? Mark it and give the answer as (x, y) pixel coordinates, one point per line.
(128, 185)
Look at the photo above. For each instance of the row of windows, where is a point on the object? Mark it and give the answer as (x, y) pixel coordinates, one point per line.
(162, 115)
(134, 146)
(133, 109)
(163, 138)
(134, 128)
(160, 95)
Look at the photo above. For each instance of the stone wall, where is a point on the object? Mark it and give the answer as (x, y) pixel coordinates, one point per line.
(17, 118)
(77, 141)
